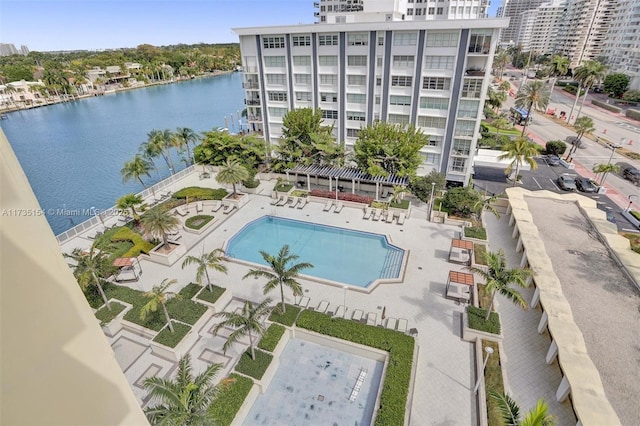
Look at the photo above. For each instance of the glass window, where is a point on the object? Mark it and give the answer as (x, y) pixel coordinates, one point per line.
(399, 100)
(461, 147)
(302, 60)
(328, 79)
(464, 128)
(431, 11)
(277, 96)
(438, 62)
(458, 164)
(355, 115)
(405, 39)
(436, 83)
(274, 61)
(303, 96)
(328, 97)
(480, 43)
(401, 80)
(442, 39)
(328, 113)
(378, 81)
(357, 60)
(356, 80)
(358, 39)
(403, 61)
(273, 42)
(434, 103)
(439, 11)
(304, 40)
(410, 11)
(328, 60)
(380, 40)
(277, 112)
(431, 158)
(328, 40)
(472, 88)
(398, 119)
(433, 122)
(435, 140)
(468, 108)
(353, 133)
(379, 61)
(356, 98)
(275, 78)
(302, 78)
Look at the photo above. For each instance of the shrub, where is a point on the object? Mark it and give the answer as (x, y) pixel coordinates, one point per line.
(299, 193)
(493, 382)
(479, 252)
(616, 84)
(288, 318)
(211, 296)
(633, 114)
(475, 232)
(400, 204)
(254, 367)
(606, 106)
(342, 196)
(393, 399)
(105, 315)
(635, 214)
(420, 186)
(230, 399)
(167, 338)
(197, 222)
(573, 90)
(631, 95)
(140, 245)
(283, 187)
(556, 147)
(189, 291)
(271, 337)
(195, 193)
(251, 183)
(461, 201)
(477, 322)
(634, 240)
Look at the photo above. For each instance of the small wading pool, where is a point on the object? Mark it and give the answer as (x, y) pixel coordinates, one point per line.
(337, 254)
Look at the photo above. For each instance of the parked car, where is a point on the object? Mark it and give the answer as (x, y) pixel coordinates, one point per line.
(632, 174)
(553, 160)
(567, 182)
(585, 185)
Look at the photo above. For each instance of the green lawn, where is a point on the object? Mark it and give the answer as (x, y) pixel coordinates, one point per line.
(475, 232)
(288, 318)
(493, 383)
(230, 399)
(479, 252)
(492, 130)
(271, 337)
(167, 338)
(105, 315)
(477, 322)
(211, 296)
(197, 222)
(197, 193)
(284, 187)
(254, 367)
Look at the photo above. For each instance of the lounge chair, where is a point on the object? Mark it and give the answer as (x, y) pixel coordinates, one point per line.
(367, 213)
(328, 206)
(390, 217)
(282, 201)
(303, 302)
(217, 206)
(322, 306)
(376, 214)
(340, 312)
(228, 208)
(391, 323)
(303, 202)
(183, 210)
(401, 218)
(339, 207)
(166, 194)
(402, 325)
(199, 208)
(295, 202)
(276, 200)
(174, 238)
(372, 318)
(357, 315)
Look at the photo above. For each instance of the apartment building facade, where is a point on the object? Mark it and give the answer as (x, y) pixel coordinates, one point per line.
(622, 43)
(513, 9)
(539, 27)
(433, 76)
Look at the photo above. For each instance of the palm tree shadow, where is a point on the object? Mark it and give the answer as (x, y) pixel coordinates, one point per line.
(433, 306)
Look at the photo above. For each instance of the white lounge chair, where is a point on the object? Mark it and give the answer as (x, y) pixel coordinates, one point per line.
(282, 201)
(376, 214)
(323, 306)
(303, 202)
(217, 206)
(328, 206)
(389, 217)
(391, 323)
(182, 210)
(339, 207)
(357, 315)
(372, 318)
(402, 325)
(367, 213)
(228, 208)
(401, 218)
(199, 208)
(276, 200)
(294, 203)
(303, 302)
(340, 312)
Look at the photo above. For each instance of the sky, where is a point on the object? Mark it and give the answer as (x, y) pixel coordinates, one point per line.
(50, 25)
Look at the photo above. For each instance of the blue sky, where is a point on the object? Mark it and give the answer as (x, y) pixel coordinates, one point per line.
(46, 25)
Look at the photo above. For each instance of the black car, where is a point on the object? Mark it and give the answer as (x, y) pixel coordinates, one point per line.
(585, 185)
(632, 174)
(567, 182)
(553, 160)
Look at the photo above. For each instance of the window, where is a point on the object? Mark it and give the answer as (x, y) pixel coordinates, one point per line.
(353, 133)
(434, 103)
(328, 79)
(438, 62)
(273, 42)
(449, 39)
(328, 40)
(471, 88)
(379, 61)
(419, 12)
(304, 40)
(328, 113)
(328, 60)
(431, 11)
(277, 112)
(468, 108)
(358, 40)
(467, 9)
(400, 100)
(356, 98)
(405, 39)
(403, 61)
(275, 78)
(328, 97)
(436, 83)
(465, 128)
(461, 147)
(356, 80)
(274, 61)
(381, 41)
(410, 11)
(435, 140)
(277, 96)
(302, 78)
(357, 60)
(401, 80)
(439, 11)
(398, 119)
(431, 158)
(433, 122)
(302, 60)
(378, 81)
(480, 43)
(474, 10)
(377, 100)
(355, 115)
(303, 96)
(458, 164)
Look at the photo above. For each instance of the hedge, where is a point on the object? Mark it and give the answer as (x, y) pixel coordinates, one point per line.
(401, 204)
(393, 400)
(634, 114)
(288, 318)
(202, 218)
(198, 193)
(211, 296)
(230, 399)
(475, 232)
(167, 338)
(477, 322)
(251, 183)
(140, 245)
(606, 106)
(283, 187)
(105, 315)
(493, 383)
(271, 337)
(342, 196)
(635, 214)
(254, 367)
(479, 252)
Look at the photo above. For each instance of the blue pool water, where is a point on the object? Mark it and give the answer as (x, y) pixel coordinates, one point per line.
(337, 254)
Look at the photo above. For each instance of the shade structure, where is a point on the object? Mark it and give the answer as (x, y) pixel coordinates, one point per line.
(349, 173)
(123, 261)
(459, 286)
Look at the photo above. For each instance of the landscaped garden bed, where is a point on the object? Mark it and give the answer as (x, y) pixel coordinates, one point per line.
(479, 252)
(271, 337)
(477, 233)
(288, 318)
(634, 239)
(283, 187)
(197, 222)
(139, 244)
(477, 321)
(400, 204)
(254, 367)
(395, 391)
(194, 193)
(169, 339)
(342, 196)
(105, 315)
(299, 193)
(211, 296)
(633, 217)
(493, 383)
(230, 399)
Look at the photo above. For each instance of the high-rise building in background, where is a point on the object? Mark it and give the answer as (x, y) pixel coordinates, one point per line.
(539, 27)
(433, 75)
(513, 9)
(7, 49)
(24, 50)
(622, 43)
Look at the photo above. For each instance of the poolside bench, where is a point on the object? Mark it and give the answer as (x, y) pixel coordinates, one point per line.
(228, 208)
(391, 323)
(376, 214)
(367, 213)
(199, 208)
(217, 206)
(402, 325)
(323, 306)
(372, 318)
(357, 315)
(303, 302)
(339, 207)
(401, 218)
(328, 206)
(390, 216)
(295, 202)
(182, 210)
(303, 202)
(340, 312)
(282, 201)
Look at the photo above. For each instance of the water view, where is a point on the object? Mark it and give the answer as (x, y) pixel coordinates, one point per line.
(72, 152)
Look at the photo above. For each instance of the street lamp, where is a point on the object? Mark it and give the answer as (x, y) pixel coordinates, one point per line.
(345, 288)
(613, 151)
(433, 187)
(631, 198)
(489, 351)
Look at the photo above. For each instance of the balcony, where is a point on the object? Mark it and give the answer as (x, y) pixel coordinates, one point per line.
(475, 72)
(254, 118)
(316, 4)
(480, 49)
(250, 70)
(251, 86)
(316, 14)
(255, 102)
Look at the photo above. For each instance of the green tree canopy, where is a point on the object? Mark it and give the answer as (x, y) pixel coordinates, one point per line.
(219, 146)
(462, 201)
(533, 95)
(616, 84)
(232, 172)
(157, 223)
(420, 186)
(520, 150)
(383, 148)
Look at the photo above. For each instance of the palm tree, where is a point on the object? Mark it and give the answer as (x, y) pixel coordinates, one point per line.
(158, 223)
(232, 172)
(558, 66)
(150, 151)
(245, 323)
(162, 141)
(582, 125)
(135, 169)
(184, 400)
(89, 269)
(185, 135)
(501, 59)
(498, 279)
(500, 123)
(281, 273)
(398, 190)
(590, 73)
(158, 297)
(488, 204)
(205, 261)
(521, 150)
(605, 169)
(538, 416)
(130, 201)
(534, 95)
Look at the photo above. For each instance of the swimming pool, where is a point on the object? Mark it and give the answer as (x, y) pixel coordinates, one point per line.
(337, 254)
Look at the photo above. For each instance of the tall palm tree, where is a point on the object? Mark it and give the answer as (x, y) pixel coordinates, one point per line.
(582, 125)
(205, 261)
(186, 135)
(248, 322)
(158, 296)
(605, 169)
(558, 66)
(587, 75)
(281, 273)
(537, 416)
(232, 172)
(498, 279)
(184, 400)
(162, 141)
(135, 169)
(533, 95)
(521, 150)
(89, 269)
(130, 201)
(158, 223)
(150, 151)
(500, 61)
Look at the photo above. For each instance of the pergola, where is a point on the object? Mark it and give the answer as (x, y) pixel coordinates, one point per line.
(459, 286)
(126, 265)
(336, 174)
(460, 251)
